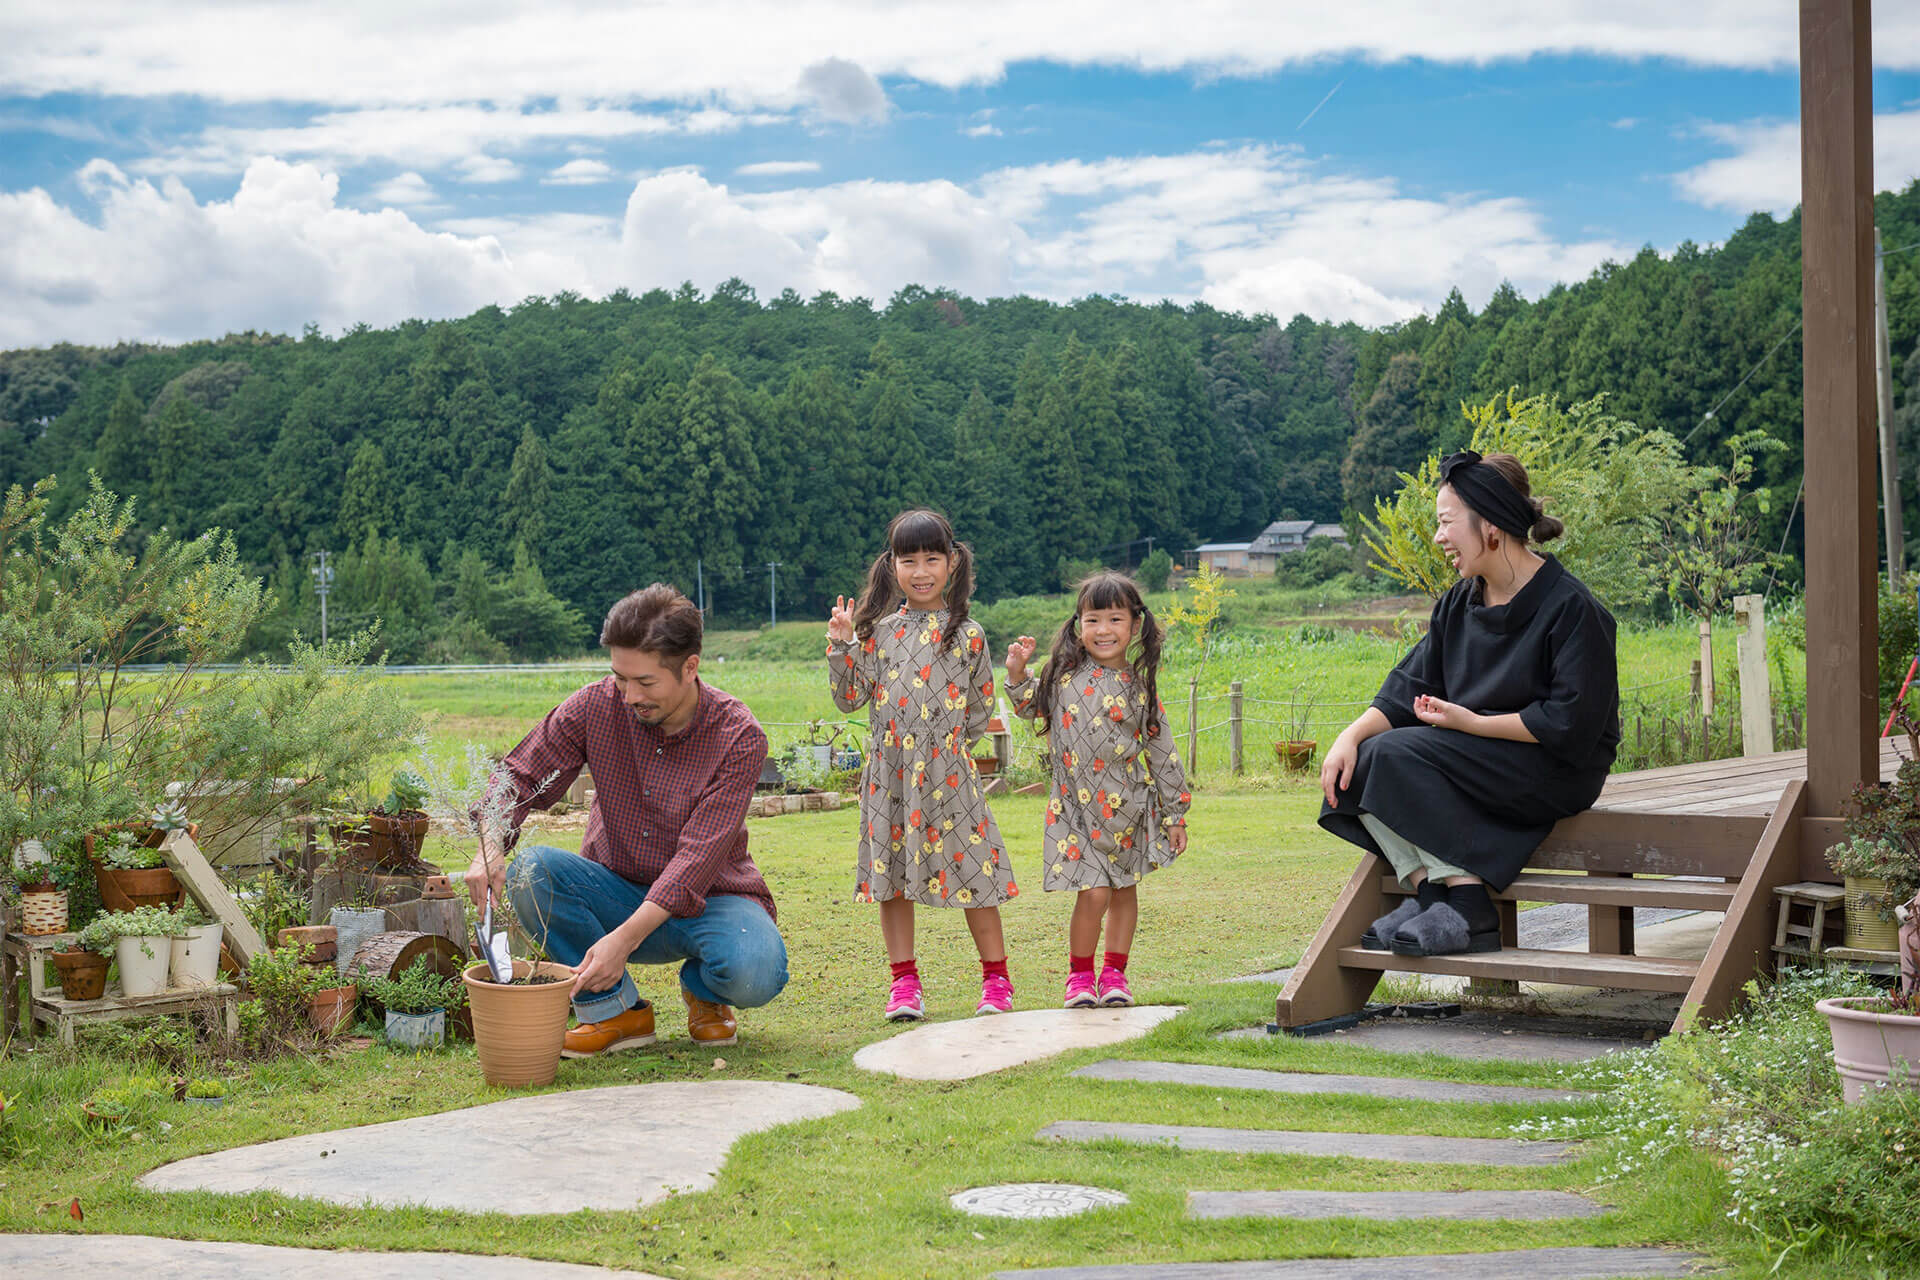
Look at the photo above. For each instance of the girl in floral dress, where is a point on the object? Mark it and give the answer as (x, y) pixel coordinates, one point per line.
(926, 835)
(1119, 807)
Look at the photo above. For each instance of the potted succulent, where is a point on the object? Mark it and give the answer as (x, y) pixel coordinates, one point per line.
(416, 1003)
(83, 965)
(1879, 860)
(205, 1091)
(43, 902)
(196, 952)
(128, 864)
(1295, 751)
(143, 946)
(397, 826)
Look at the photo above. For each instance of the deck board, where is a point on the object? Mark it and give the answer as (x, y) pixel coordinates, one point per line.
(1743, 786)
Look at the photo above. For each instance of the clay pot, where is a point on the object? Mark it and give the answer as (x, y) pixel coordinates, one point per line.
(519, 1028)
(324, 940)
(1866, 1042)
(437, 889)
(43, 910)
(986, 766)
(1296, 755)
(150, 887)
(396, 841)
(333, 1008)
(83, 975)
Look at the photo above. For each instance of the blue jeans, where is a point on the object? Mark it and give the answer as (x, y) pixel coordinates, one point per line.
(733, 952)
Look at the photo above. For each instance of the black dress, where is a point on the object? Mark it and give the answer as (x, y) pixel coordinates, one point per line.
(1485, 804)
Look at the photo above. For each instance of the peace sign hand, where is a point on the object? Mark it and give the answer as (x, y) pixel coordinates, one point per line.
(840, 621)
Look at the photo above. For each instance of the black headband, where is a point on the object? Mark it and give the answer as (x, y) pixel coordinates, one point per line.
(1490, 495)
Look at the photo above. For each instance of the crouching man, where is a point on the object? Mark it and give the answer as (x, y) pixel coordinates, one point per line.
(663, 873)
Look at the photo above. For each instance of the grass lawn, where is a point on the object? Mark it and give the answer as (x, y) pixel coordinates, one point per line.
(865, 1194)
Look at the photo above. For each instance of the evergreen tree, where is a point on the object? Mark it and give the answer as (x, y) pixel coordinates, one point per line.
(368, 506)
(529, 492)
(124, 456)
(1389, 441)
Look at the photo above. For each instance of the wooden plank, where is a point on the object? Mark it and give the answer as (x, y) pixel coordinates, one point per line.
(1743, 944)
(210, 891)
(1609, 925)
(1838, 446)
(1572, 968)
(1553, 886)
(1649, 844)
(1320, 986)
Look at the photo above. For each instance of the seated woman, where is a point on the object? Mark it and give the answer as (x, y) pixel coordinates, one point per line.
(1500, 722)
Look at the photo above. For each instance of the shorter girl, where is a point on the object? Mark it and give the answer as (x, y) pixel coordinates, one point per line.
(1120, 797)
(926, 834)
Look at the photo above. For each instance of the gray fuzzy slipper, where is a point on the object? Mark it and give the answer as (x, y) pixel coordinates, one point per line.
(1381, 931)
(1442, 931)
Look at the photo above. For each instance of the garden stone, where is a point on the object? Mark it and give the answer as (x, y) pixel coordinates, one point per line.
(1386, 1206)
(75, 1257)
(969, 1047)
(520, 1156)
(1409, 1148)
(1577, 1263)
(1214, 1077)
(1035, 1200)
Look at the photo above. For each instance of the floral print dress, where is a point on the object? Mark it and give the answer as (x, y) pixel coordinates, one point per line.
(925, 830)
(1118, 788)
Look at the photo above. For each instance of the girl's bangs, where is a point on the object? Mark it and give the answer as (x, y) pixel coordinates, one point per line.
(921, 531)
(1109, 591)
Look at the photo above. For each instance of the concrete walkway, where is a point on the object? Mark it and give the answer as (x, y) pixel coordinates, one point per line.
(80, 1257)
(972, 1047)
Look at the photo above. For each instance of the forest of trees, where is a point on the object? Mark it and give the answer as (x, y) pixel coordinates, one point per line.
(488, 485)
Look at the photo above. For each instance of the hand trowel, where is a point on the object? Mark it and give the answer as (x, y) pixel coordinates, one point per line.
(493, 946)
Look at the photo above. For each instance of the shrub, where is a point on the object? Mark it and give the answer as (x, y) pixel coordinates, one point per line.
(1155, 570)
(418, 989)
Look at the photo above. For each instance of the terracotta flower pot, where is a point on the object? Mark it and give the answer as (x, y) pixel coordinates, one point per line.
(986, 766)
(83, 975)
(43, 910)
(333, 1008)
(518, 1029)
(396, 841)
(1867, 1043)
(1296, 755)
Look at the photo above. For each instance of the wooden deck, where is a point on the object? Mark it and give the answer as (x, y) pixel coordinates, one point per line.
(1744, 786)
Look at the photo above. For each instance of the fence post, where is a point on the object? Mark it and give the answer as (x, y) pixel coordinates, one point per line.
(1706, 668)
(1756, 698)
(1234, 757)
(1003, 748)
(1193, 725)
(1693, 690)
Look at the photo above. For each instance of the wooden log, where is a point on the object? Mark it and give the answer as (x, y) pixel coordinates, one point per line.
(390, 890)
(444, 916)
(387, 955)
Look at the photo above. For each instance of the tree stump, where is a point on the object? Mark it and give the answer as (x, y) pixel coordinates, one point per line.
(444, 916)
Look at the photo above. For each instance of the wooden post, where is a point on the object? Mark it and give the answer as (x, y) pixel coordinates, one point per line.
(1756, 698)
(1234, 758)
(1707, 689)
(1883, 399)
(1003, 749)
(1693, 684)
(1836, 287)
(1193, 725)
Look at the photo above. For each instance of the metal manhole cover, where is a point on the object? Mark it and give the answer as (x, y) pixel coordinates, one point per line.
(1035, 1200)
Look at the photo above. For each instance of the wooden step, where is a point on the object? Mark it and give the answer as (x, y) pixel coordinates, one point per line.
(1570, 968)
(1608, 891)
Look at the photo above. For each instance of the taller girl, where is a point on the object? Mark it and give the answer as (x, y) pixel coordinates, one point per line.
(926, 834)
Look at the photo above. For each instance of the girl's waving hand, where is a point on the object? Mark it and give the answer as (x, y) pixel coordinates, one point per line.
(1019, 654)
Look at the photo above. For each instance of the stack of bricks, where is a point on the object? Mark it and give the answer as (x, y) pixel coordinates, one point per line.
(812, 802)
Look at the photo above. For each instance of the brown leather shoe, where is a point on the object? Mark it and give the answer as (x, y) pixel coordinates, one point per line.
(709, 1025)
(630, 1030)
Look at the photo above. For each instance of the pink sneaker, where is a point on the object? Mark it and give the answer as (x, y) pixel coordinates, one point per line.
(904, 1001)
(996, 995)
(1080, 992)
(1113, 988)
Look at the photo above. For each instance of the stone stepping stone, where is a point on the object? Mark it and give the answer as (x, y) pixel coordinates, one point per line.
(969, 1047)
(1383, 1206)
(1409, 1148)
(1036, 1200)
(1306, 1082)
(641, 1143)
(73, 1257)
(1468, 1036)
(1575, 1263)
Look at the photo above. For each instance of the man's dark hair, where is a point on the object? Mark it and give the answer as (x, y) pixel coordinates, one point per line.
(657, 620)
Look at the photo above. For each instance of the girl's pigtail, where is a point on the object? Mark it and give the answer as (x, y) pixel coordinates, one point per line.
(959, 593)
(1066, 655)
(880, 597)
(1146, 667)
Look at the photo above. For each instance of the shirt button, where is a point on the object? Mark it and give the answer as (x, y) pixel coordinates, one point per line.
(645, 834)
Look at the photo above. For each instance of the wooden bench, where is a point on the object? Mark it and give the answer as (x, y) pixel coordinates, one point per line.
(44, 1003)
(1612, 860)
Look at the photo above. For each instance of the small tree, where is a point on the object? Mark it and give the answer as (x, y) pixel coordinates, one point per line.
(1711, 554)
(1196, 619)
(1156, 569)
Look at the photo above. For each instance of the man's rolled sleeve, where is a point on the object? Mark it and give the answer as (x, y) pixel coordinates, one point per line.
(717, 824)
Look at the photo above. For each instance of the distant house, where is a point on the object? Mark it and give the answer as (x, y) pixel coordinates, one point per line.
(1282, 537)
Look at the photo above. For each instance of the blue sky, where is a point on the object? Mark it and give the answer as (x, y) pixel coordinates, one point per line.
(179, 171)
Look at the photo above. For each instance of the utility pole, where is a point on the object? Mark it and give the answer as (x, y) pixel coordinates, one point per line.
(773, 605)
(322, 584)
(1889, 461)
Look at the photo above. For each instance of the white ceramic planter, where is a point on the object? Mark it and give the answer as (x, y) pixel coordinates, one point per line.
(417, 1030)
(143, 965)
(196, 957)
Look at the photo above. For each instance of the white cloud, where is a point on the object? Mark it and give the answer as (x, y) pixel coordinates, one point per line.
(988, 130)
(579, 173)
(487, 169)
(844, 92)
(1763, 173)
(1628, 122)
(1249, 228)
(752, 53)
(777, 168)
(408, 191)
